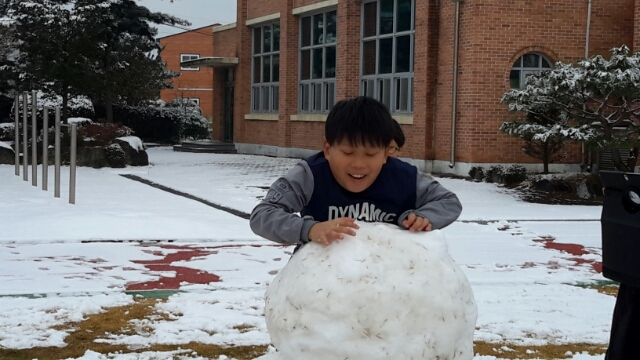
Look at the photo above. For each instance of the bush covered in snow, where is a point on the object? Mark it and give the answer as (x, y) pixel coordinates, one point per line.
(162, 124)
(514, 174)
(494, 174)
(7, 132)
(116, 156)
(476, 173)
(79, 106)
(101, 134)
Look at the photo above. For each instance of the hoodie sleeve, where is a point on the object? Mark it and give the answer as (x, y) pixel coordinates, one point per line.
(434, 202)
(276, 217)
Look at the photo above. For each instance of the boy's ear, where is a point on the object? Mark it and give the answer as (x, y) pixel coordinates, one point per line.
(326, 147)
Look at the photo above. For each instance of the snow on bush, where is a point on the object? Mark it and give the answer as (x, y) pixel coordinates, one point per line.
(116, 156)
(514, 174)
(79, 106)
(7, 132)
(494, 174)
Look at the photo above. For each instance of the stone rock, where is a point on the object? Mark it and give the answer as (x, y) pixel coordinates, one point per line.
(94, 157)
(135, 157)
(582, 190)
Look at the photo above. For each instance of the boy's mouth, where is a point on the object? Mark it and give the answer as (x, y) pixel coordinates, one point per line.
(357, 176)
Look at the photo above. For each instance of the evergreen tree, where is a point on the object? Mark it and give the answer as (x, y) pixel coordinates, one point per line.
(123, 66)
(104, 49)
(597, 102)
(47, 56)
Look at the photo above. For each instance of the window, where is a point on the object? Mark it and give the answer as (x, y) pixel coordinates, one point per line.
(187, 57)
(386, 64)
(265, 68)
(317, 88)
(527, 64)
(195, 101)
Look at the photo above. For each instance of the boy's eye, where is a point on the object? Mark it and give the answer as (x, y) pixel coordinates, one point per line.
(347, 152)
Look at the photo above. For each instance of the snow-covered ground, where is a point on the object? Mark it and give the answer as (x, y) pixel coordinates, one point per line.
(67, 259)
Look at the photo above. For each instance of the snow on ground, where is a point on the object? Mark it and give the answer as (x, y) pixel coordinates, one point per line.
(526, 292)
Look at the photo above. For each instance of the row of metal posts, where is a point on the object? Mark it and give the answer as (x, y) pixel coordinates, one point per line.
(45, 146)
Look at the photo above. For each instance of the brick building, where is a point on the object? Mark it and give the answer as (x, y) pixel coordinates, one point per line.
(283, 64)
(194, 83)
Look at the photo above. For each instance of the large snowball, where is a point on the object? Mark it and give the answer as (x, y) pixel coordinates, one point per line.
(386, 293)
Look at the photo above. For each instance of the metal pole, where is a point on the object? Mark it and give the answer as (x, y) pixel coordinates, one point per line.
(34, 139)
(25, 150)
(56, 188)
(72, 173)
(16, 142)
(45, 149)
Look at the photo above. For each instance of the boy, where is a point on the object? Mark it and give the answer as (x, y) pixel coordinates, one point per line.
(353, 178)
(398, 140)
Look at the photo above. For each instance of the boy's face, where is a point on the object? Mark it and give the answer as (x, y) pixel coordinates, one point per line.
(355, 168)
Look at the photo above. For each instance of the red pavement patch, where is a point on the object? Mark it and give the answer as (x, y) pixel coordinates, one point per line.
(183, 275)
(573, 249)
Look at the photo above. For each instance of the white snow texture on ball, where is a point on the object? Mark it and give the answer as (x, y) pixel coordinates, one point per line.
(385, 293)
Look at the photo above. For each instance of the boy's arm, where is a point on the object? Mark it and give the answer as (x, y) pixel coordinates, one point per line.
(434, 202)
(274, 217)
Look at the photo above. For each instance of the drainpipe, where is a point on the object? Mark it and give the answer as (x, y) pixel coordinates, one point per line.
(586, 56)
(454, 99)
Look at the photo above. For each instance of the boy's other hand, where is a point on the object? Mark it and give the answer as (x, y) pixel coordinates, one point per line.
(333, 230)
(417, 223)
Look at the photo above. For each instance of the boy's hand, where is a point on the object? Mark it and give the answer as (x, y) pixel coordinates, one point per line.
(417, 223)
(333, 230)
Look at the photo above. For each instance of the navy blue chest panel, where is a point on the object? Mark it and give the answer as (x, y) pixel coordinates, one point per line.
(390, 195)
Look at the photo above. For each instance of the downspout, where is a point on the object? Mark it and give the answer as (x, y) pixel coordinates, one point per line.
(454, 95)
(586, 56)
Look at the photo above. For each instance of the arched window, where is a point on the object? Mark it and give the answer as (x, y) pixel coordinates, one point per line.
(527, 64)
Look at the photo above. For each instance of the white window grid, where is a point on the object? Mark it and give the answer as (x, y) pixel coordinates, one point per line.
(317, 94)
(187, 57)
(195, 100)
(393, 88)
(531, 63)
(265, 72)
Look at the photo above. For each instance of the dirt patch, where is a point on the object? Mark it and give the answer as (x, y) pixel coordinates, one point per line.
(509, 351)
(117, 320)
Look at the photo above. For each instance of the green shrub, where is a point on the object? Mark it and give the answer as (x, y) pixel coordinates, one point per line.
(160, 124)
(116, 156)
(514, 174)
(494, 174)
(476, 173)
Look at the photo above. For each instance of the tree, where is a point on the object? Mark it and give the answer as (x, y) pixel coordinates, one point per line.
(543, 136)
(598, 102)
(47, 47)
(124, 66)
(104, 49)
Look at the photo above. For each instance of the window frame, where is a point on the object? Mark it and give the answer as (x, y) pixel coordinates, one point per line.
(399, 97)
(265, 95)
(191, 57)
(195, 100)
(525, 71)
(308, 100)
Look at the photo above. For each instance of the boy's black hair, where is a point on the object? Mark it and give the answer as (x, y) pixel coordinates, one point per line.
(398, 134)
(361, 121)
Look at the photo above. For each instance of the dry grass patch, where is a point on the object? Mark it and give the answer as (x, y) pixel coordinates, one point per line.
(118, 320)
(509, 351)
(608, 289)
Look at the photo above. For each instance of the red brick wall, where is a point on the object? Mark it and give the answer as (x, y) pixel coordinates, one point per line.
(258, 8)
(242, 91)
(492, 36)
(636, 28)
(200, 42)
